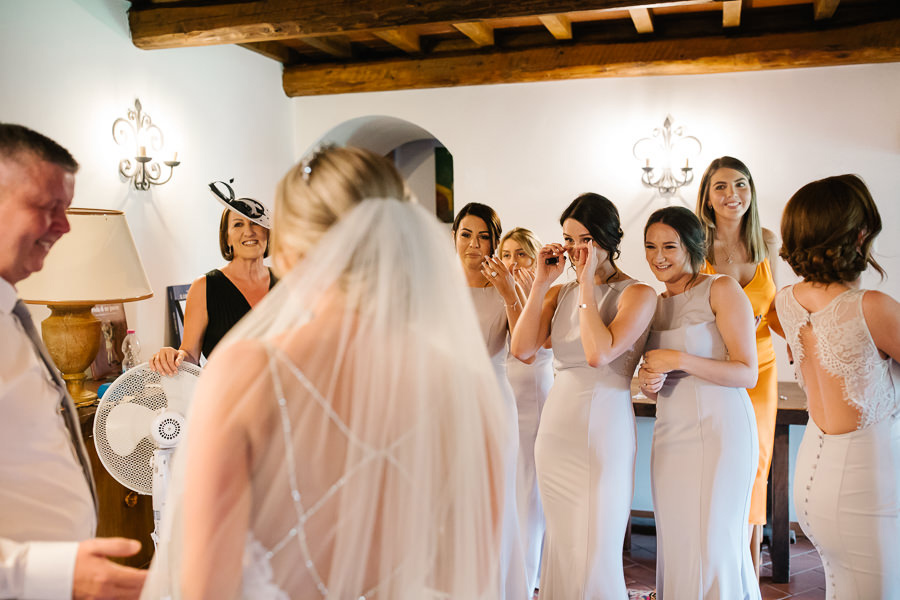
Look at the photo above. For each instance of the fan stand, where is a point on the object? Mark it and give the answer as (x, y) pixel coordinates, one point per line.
(161, 469)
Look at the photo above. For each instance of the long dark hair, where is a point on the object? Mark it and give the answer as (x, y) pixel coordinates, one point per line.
(689, 229)
(601, 218)
(486, 214)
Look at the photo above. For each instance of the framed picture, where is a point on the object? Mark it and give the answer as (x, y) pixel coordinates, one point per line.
(176, 296)
(108, 362)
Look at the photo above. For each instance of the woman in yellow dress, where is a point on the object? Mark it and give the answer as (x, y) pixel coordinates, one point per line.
(740, 247)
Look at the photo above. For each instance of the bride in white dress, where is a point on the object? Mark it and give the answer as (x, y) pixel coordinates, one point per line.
(585, 447)
(346, 441)
(845, 343)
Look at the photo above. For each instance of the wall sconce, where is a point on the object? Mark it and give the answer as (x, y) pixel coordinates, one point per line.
(661, 154)
(140, 130)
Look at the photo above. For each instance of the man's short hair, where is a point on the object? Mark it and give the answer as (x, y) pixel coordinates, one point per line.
(16, 140)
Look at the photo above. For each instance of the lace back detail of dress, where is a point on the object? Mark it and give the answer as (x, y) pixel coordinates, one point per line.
(845, 350)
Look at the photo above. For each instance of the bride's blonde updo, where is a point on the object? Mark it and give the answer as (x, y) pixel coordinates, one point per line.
(321, 189)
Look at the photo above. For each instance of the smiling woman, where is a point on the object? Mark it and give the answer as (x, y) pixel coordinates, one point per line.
(219, 299)
(740, 247)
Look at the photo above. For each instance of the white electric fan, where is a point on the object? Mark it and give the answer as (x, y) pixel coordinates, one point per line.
(139, 422)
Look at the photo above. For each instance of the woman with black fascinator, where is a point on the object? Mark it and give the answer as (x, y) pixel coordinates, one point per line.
(219, 299)
(585, 446)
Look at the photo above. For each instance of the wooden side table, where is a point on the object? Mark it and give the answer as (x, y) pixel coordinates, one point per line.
(122, 512)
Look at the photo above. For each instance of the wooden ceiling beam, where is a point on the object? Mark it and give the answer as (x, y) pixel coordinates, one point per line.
(274, 50)
(559, 26)
(335, 45)
(642, 19)
(854, 44)
(405, 39)
(731, 13)
(249, 21)
(824, 9)
(478, 31)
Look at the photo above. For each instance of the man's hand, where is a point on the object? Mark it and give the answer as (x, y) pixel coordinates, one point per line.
(97, 577)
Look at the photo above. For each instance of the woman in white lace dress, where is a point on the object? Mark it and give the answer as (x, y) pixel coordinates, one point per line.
(585, 447)
(530, 384)
(498, 304)
(346, 440)
(845, 343)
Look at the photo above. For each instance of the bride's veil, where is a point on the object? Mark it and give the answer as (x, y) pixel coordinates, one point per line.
(374, 426)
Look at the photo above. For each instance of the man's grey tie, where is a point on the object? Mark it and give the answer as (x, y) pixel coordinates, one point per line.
(66, 406)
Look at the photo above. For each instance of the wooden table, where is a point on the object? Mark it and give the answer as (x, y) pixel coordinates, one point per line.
(791, 411)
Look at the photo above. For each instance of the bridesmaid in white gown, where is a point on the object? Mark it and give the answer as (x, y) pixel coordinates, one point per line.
(585, 447)
(530, 384)
(845, 343)
(702, 358)
(498, 304)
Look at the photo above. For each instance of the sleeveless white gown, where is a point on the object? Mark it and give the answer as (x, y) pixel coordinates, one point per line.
(703, 464)
(847, 486)
(491, 311)
(584, 455)
(530, 385)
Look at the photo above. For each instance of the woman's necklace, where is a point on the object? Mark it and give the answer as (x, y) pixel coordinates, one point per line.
(730, 253)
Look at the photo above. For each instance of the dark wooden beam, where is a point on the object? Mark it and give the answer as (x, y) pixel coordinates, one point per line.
(274, 50)
(824, 9)
(852, 44)
(271, 20)
(335, 45)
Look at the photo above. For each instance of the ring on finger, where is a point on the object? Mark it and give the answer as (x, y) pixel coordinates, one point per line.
(493, 273)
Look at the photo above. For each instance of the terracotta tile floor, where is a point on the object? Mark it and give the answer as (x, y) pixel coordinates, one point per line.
(807, 576)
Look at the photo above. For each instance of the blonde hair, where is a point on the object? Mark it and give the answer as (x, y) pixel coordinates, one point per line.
(751, 229)
(321, 189)
(525, 238)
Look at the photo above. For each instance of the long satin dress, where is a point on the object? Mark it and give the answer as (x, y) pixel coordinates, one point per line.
(584, 456)
(702, 465)
(764, 397)
(847, 486)
(491, 312)
(530, 384)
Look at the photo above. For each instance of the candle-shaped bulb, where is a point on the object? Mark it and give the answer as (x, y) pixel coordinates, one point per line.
(687, 163)
(142, 151)
(647, 163)
(175, 157)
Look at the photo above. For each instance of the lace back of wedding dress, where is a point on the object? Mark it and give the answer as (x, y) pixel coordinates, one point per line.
(844, 348)
(375, 425)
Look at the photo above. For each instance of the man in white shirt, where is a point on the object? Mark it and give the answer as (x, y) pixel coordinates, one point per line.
(47, 502)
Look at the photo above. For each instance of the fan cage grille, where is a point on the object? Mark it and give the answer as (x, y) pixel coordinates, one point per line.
(134, 471)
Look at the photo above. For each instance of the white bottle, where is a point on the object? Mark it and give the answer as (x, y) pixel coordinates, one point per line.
(131, 351)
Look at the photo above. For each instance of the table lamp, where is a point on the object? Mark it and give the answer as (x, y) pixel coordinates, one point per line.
(95, 263)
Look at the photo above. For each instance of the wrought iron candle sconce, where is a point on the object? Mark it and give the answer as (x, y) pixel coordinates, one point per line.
(139, 129)
(669, 147)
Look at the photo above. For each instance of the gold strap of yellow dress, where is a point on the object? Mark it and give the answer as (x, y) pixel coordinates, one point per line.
(761, 292)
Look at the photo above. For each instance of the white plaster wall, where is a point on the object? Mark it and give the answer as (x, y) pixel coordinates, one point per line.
(529, 149)
(68, 69)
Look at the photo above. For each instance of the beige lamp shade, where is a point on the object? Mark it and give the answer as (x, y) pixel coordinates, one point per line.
(95, 263)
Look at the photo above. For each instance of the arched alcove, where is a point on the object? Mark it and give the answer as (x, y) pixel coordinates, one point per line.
(421, 158)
